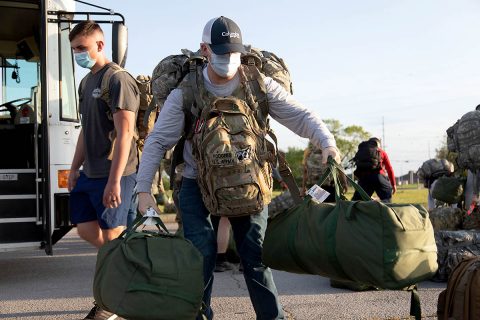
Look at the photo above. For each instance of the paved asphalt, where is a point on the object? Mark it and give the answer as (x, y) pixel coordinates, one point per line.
(34, 286)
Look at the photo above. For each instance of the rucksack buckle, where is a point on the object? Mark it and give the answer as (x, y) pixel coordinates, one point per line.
(199, 125)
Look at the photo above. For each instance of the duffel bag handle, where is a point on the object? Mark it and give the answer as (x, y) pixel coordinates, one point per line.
(141, 220)
(333, 169)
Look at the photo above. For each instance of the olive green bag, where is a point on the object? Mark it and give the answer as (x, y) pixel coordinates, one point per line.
(149, 275)
(448, 189)
(388, 246)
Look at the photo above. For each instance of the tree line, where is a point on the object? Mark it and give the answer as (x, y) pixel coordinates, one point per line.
(347, 137)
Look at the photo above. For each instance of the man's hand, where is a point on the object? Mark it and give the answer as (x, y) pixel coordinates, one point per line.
(394, 189)
(330, 151)
(72, 179)
(146, 200)
(111, 195)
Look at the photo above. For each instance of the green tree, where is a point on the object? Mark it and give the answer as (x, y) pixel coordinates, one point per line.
(294, 158)
(348, 138)
(443, 153)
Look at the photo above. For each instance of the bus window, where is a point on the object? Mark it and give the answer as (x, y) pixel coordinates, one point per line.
(68, 96)
(26, 78)
(17, 83)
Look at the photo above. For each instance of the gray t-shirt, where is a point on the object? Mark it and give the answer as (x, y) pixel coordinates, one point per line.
(170, 123)
(97, 121)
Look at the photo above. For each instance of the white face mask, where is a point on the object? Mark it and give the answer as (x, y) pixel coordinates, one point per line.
(225, 65)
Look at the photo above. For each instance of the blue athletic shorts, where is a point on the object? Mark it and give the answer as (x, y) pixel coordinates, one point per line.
(86, 202)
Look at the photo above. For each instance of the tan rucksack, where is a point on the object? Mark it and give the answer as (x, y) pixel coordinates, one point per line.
(234, 158)
(461, 299)
(144, 122)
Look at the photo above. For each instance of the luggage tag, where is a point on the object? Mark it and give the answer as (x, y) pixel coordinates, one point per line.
(318, 194)
(151, 213)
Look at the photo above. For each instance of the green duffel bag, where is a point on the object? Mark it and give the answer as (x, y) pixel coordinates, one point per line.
(388, 246)
(448, 189)
(149, 275)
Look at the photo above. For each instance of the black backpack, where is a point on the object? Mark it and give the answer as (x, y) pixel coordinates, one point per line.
(367, 158)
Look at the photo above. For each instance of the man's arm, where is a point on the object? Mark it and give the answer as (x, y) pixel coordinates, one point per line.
(165, 134)
(124, 122)
(290, 113)
(78, 159)
(389, 169)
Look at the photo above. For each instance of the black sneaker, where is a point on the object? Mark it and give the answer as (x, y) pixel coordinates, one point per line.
(223, 266)
(91, 314)
(98, 313)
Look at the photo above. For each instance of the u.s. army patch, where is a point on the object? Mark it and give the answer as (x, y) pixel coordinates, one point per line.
(222, 159)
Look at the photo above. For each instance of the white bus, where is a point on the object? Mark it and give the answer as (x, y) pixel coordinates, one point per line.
(39, 119)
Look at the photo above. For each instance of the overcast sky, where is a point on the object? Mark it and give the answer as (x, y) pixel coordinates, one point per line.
(413, 65)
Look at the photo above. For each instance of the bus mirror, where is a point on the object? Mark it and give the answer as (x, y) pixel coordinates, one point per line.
(119, 43)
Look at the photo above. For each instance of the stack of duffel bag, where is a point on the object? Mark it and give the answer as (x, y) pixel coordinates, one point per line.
(388, 246)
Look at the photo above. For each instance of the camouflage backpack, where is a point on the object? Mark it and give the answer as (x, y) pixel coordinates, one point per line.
(433, 169)
(461, 298)
(453, 247)
(233, 156)
(313, 167)
(144, 123)
(170, 71)
(270, 65)
(464, 139)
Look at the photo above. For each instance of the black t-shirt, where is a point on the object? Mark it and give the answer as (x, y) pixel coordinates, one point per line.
(97, 120)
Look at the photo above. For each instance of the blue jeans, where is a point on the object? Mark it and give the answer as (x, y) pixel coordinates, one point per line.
(248, 232)
(375, 182)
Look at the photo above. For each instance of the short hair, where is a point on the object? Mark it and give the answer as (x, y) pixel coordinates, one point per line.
(375, 140)
(477, 108)
(85, 28)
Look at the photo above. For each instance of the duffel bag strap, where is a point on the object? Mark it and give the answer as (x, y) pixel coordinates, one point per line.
(288, 177)
(334, 167)
(415, 306)
(141, 220)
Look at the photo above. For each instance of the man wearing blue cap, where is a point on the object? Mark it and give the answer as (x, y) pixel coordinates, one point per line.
(221, 90)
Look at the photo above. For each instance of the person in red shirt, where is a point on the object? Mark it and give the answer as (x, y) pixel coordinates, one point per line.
(381, 181)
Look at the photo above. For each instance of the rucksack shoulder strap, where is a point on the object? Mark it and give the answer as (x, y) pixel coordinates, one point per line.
(195, 81)
(255, 91)
(109, 73)
(194, 94)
